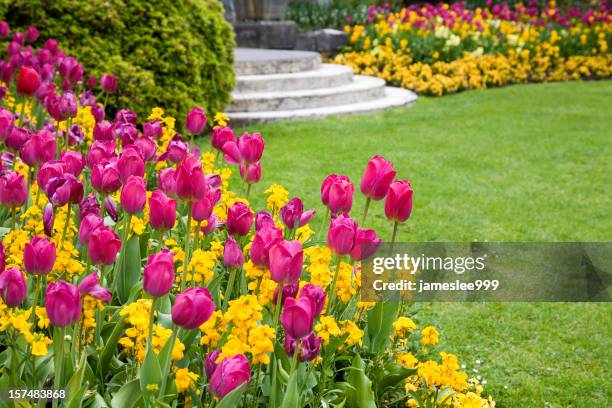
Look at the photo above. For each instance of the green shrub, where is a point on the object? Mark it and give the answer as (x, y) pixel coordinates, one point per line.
(168, 53)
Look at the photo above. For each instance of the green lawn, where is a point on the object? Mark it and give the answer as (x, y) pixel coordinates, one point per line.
(523, 163)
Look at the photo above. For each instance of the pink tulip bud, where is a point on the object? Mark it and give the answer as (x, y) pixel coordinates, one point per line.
(341, 234)
(4, 29)
(7, 120)
(377, 178)
(134, 195)
(90, 286)
(316, 294)
(39, 148)
(101, 150)
(250, 173)
(105, 177)
(286, 261)
(48, 219)
(232, 254)
(192, 308)
(398, 205)
(309, 346)
(104, 245)
(297, 317)
(98, 113)
(210, 365)
(222, 135)
(263, 219)
(159, 273)
(104, 130)
(13, 189)
(291, 212)
(251, 147)
(153, 129)
(341, 195)
(289, 291)
(74, 162)
(166, 181)
(130, 164)
(239, 219)
(91, 81)
(63, 304)
(190, 181)
(231, 373)
(110, 206)
(203, 208)
(366, 244)
(263, 241)
(162, 211)
(32, 34)
(109, 83)
(13, 287)
(62, 107)
(39, 256)
(28, 81)
(88, 225)
(195, 121)
(89, 205)
(327, 183)
(70, 69)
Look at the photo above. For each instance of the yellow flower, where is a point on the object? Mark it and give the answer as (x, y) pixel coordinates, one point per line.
(277, 197)
(408, 360)
(260, 342)
(403, 326)
(327, 328)
(184, 379)
(355, 334)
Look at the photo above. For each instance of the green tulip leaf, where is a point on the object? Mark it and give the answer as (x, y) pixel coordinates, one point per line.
(292, 397)
(232, 399)
(150, 371)
(128, 396)
(110, 347)
(130, 271)
(362, 396)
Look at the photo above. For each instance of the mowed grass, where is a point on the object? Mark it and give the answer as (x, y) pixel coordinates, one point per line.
(523, 163)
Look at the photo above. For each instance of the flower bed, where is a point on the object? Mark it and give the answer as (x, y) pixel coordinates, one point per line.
(133, 274)
(441, 49)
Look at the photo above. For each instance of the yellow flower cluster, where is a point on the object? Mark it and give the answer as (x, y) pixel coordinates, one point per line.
(134, 342)
(277, 198)
(18, 321)
(184, 379)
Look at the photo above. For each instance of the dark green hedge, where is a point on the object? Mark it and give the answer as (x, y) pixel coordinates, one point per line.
(168, 53)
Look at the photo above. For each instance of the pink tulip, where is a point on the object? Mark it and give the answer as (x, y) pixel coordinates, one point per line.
(88, 225)
(32, 34)
(39, 256)
(70, 69)
(64, 189)
(398, 205)
(48, 171)
(220, 136)
(250, 173)
(74, 162)
(190, 181)
(7, 121)
(289, 291)
(309, 346)
(104, 130)
(162, 211)
(377, 178)
(90, 286)
(297, 317)
(109, 83)
(293, 214)
(203, 208)
(103, 246)
(153, 129)
(63, 106)
(341, 234)
(263, 219)
(316, 294)
(230, 374)
(366, 244)
(101, 150)
(210, 364)
(263, 241)
(105, 177)
(89, 205)
(146, 147)
(13, 189)
(166, 181)
(13, 287)
(134, 195)
(63, 304)
(39, 148)
(239, 219)
(130, 163)
(232, 254)
(192, 308)
(126, 116)
(176, 151)
(27, 81)
(159, 273)
(212, 223)
(48, 219)
(286, 261)
(110, 206)
(17, 138)
(337, 193)
(127, 133)
(195, 121)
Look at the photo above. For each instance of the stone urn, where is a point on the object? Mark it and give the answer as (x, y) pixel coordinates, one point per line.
(257, 10)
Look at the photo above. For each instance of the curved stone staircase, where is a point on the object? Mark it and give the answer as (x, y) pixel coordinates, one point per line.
(281, 85)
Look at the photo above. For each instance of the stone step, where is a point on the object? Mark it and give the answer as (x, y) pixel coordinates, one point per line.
(361, 89)
(393, 97)
(326, 76)
(253, 61)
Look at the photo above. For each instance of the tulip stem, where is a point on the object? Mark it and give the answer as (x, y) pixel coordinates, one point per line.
(151, 319)
(229, 288)
(295, 361)
(14, 215)
(323, 220)
(36, 296)
(59, 361)
(65, 226)
(248, 190)
(365, 212)
(166, 367)
(332, 294)
(22, 111)
(187, 242)
(395, 224)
